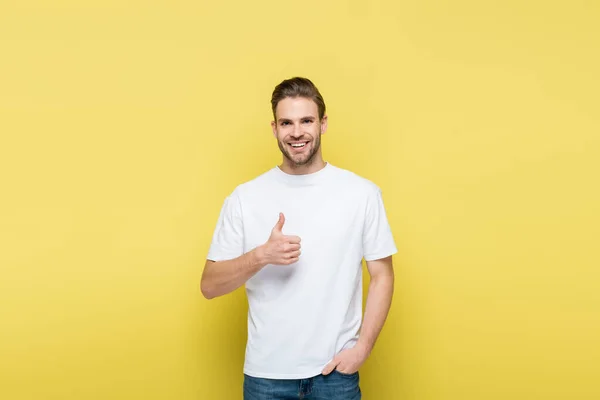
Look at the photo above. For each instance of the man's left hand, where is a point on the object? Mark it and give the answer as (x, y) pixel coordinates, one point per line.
(347, 361)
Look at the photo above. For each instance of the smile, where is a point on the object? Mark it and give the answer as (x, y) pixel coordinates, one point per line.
(298, 145)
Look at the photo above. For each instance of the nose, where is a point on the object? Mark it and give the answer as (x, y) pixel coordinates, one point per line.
(297, 131)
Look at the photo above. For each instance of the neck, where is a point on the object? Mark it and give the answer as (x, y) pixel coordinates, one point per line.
(316, 164)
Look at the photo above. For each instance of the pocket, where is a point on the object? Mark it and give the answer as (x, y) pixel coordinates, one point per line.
(347, 376)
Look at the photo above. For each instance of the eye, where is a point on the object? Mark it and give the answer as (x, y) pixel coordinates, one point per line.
(284, 123)
(307, 121)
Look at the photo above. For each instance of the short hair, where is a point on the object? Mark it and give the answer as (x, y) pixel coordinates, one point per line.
(297, 87)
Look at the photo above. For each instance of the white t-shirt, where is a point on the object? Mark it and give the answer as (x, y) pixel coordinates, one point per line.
(301, 315)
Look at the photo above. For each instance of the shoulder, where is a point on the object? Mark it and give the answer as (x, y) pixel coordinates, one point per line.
(356, 182)
(252, 186)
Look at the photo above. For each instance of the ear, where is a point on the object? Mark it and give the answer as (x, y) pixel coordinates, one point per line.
(274, 128)
(324, 124)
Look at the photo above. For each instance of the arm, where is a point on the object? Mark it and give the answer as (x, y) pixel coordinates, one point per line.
(379, 300)
(222, 277)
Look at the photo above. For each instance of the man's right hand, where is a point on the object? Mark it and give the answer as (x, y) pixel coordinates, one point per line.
(280, 249)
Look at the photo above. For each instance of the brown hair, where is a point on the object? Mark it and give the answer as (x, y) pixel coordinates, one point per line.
(297, 87)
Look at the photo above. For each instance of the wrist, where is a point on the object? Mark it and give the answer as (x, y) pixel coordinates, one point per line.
(363, 347)
(260, 256)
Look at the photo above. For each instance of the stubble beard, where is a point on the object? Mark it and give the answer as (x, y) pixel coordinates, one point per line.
(302, 161)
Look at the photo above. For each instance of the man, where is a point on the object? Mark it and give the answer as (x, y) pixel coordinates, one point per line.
(295, 236)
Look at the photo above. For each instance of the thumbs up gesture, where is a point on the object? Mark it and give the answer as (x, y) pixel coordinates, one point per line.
(281, 249)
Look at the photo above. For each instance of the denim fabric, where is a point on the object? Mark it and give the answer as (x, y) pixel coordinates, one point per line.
(335, 386)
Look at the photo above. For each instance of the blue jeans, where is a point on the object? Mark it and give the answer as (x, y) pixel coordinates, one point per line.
(334, 386)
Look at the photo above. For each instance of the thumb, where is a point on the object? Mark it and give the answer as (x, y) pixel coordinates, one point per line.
(330, 367)
(279, 225)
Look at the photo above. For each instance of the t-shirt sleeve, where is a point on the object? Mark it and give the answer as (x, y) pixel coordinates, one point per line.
(228, 237)
(378, 241)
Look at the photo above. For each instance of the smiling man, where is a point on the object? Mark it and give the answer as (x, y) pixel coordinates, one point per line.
(295, 237)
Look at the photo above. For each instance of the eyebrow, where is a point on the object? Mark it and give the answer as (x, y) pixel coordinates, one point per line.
(287, 119)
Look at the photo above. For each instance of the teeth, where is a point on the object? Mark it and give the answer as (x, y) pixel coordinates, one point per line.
(298, 144)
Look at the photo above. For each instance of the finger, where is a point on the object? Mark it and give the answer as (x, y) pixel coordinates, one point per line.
(330, 367)
(295, 254)
(344, 370)
(291, 260)
(292, 247)
(293, 239)
(279, 225)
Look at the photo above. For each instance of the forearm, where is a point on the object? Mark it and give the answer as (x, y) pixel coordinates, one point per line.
(222, 277)
(379, 299)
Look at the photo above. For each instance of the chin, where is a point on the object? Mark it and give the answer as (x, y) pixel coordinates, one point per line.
(301, 161)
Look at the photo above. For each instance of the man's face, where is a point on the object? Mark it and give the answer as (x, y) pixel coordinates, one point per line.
(298, 129)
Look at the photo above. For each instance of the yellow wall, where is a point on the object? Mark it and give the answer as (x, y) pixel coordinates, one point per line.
(125, 124)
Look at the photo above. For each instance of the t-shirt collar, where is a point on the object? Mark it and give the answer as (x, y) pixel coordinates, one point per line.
(303, 179)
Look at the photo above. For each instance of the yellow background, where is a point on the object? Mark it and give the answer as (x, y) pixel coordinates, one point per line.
(125, 124)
